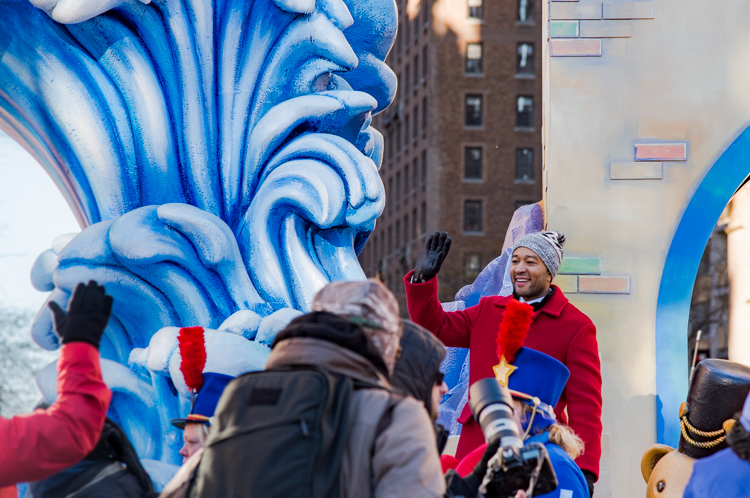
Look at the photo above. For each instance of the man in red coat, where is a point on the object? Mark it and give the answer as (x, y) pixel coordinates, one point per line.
(38, 445)
(558, 329)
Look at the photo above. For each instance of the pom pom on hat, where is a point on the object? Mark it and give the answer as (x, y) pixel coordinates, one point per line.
(193, 356)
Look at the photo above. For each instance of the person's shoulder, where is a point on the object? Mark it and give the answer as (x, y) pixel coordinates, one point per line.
(568, 310)
(569, 475)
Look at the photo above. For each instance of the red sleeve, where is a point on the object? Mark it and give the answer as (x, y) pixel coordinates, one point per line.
(451, 327)
(38, 445)
(584, 395)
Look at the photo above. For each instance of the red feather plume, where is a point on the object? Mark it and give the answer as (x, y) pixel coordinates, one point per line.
(513, 329)
(193, 353)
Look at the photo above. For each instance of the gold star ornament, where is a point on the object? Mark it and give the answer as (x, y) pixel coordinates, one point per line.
(503, 370)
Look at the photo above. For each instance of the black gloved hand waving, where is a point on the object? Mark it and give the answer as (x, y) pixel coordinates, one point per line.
(87, 316)
(429, 262)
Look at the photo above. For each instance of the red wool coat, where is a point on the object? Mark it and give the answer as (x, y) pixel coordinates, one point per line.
(558, 329)
(38, 445)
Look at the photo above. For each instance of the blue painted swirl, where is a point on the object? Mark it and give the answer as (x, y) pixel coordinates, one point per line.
(218, 154)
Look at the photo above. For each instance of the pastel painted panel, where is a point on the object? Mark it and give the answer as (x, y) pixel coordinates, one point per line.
(575, 48)
(567, 283)
(636, 171)
(606, 29)
(563, 29)
(565, 10)
(580, 266)
(588, 284)
(661, 152)
(629, 10)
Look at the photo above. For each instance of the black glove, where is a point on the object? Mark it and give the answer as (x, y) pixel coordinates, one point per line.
(431, 259)
(590, 480)
(88, 313)
(474, 480)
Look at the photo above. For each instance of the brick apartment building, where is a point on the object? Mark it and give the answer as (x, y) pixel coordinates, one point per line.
(463, 136)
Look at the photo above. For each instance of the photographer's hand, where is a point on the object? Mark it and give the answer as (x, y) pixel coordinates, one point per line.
(474, 480)
(431, 259)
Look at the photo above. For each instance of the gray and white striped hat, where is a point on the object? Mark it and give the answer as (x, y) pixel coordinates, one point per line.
(548, 245)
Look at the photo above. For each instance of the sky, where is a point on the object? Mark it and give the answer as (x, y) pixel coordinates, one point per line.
(32, 214)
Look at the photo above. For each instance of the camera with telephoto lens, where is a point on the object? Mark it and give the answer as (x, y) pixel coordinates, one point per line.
(514, 467)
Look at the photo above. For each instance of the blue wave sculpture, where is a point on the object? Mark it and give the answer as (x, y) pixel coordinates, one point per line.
(220, 156)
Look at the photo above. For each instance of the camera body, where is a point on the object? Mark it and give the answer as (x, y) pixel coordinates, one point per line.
(514, 467)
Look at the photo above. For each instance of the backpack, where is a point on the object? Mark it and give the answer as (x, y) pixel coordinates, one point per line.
(280, 433)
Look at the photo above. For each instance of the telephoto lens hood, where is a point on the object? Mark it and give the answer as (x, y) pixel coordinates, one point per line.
(492, 407)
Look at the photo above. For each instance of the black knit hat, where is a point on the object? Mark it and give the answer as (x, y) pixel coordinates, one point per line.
(717, 392)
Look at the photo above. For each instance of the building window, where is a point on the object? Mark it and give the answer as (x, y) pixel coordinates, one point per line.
(390, 240)
(472, 266)
(424, 116)
(398, 138)
(424, 169)
(398, 187)
(390, 143)
(526, 11)
(474, 58)
(474, 110)
(473, 216)
(426, 11)
(415, 130)
(524, 165)
(406, 230)
(473, 163)
(424, 62)
(525, 63)
(398, 234)
(416, 71)
(406, 181)
(382, 247)
(423, 225)
(406, 131)
(407, 80)
(398, 39)
(389, 196)
(414, 224)
(407, 41)
(416, 28)
(524, 112)
(476, 9)
(414, 178)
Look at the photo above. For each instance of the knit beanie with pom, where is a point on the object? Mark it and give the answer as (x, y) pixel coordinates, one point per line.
(547, 245)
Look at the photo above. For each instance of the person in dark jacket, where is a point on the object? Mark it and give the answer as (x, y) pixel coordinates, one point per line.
(112, 469)
(417, 372)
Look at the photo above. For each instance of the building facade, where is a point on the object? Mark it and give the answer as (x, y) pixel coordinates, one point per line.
(462, 138)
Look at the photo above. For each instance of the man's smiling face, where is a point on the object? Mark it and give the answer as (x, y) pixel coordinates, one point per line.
(529, 275)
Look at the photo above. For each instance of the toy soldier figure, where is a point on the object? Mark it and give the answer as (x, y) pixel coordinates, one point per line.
(558, 329)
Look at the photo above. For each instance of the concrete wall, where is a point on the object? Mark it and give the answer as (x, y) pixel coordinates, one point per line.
(669, 71)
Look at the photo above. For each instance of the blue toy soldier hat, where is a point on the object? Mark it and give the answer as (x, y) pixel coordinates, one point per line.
(538, 380)
(206, 400)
